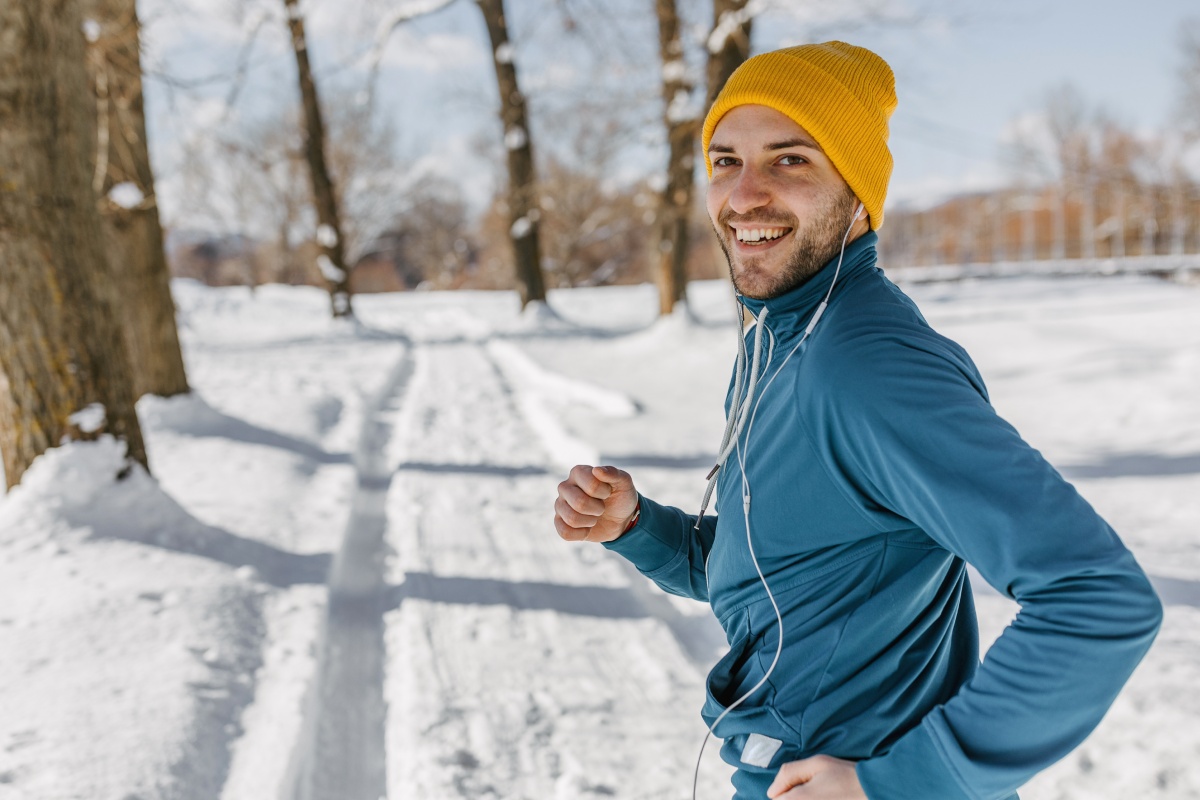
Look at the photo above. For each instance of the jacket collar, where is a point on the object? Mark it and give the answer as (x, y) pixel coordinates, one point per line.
(860, 256)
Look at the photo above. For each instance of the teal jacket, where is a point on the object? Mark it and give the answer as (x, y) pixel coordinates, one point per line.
(876, 468)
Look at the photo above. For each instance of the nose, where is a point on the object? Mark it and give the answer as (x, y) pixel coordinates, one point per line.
(750, 191)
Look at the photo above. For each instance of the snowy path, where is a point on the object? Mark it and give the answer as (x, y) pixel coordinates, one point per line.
(340, 755)
(515, 659)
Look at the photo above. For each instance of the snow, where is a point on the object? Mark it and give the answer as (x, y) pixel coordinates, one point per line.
(681, 108)
(91, 29)
(515, 138)
(504, 53)
(326, 236)
(127, 195)
(178, 635)
(674, 70)
(90, 419)
(521, 227)
(329, 270)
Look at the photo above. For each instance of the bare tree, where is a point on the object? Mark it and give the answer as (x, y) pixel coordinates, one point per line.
(1118, 150)
(372, 186)
(729, 43)
(429, 242)
(1189, 77)
(128, 205)
(727, 46)
(1067, 118)
(329, 228)
(1183, 187)
(679, 118)
(593, 234)
(1180, 188)
(524, 213)
(66, 371)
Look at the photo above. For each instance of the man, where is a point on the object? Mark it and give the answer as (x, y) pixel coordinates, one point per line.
(863, 466)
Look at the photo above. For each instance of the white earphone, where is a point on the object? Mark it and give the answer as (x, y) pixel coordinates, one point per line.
(732, 443)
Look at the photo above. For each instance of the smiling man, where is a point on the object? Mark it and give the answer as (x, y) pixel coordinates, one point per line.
(862, 468)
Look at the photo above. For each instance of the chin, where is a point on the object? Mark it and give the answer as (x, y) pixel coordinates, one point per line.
(756, 287)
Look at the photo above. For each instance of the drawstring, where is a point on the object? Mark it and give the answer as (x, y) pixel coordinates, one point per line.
(740, 407)
(736, 421)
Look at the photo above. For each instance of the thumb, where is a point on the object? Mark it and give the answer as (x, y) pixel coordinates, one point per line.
(618, 479)
(791, 774)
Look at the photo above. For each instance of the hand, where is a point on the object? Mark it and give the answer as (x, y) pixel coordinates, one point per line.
(594, 504)
(817, 778)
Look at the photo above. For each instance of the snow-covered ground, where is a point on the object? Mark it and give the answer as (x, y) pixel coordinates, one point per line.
(343, 582)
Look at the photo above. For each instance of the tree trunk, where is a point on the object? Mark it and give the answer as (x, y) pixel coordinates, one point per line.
(1118, 246)
(60, 349)
(329, 231)
(728, 44)
(1059, 247)
(1178, 210)
(1029, 227)
(999, 243)
(133, 234)
(1149, 222)
(675, 205)
(1087, 223)
(523, 211)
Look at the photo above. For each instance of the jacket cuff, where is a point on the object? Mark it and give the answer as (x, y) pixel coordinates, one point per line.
(655, 541)
(914, 767)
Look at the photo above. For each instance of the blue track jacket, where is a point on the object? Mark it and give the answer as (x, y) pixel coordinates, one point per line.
(876, 468)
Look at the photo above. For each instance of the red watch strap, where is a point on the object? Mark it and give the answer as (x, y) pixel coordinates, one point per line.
(637, 514)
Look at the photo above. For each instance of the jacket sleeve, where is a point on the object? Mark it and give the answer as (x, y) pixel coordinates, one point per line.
(668, 548)
(909, 421)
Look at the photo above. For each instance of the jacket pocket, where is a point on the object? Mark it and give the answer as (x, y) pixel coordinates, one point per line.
(739, 671)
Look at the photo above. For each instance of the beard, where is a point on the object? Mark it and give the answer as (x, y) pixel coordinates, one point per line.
(813, 246)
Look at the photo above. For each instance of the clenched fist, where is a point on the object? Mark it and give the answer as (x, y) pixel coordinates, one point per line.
(595, 504)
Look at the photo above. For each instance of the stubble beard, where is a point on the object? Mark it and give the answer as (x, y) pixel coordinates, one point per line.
(813, 247)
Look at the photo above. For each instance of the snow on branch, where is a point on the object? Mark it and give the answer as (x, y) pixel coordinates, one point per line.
(731, 22)
(383, 33)
(253, 26)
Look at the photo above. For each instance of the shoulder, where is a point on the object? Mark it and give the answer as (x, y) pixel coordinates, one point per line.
(874, 343)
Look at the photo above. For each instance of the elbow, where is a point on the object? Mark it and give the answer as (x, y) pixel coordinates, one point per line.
(1117, 606)
(1153, 610)
(1141, 614)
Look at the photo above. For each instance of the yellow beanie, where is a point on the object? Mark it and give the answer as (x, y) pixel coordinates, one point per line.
(841, 94)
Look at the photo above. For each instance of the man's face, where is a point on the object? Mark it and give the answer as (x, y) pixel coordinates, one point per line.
(779, 206)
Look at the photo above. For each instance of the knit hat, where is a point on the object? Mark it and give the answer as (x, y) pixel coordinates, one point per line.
(841, 94)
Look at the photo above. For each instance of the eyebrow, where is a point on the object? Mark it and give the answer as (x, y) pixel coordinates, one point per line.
(795, 141)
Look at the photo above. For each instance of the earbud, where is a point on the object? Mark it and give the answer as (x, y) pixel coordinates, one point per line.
(858, 213)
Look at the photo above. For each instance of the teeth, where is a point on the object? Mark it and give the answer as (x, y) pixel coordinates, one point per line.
(758, 234)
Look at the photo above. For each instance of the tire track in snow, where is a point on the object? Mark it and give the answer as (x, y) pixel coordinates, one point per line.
(341, 755)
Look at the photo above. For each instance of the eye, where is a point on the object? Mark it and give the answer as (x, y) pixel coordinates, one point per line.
(724, 161)
(792, 160)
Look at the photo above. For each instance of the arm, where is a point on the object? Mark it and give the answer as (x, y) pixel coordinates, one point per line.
(910, 426)
(667, 548)
(597, 504)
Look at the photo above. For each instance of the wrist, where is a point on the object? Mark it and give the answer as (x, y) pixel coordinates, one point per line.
(633, 521)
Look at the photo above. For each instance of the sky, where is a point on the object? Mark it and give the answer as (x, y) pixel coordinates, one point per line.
(965, 72)
(962, 83)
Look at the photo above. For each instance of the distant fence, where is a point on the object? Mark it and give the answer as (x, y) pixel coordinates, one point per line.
(1183, 268)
